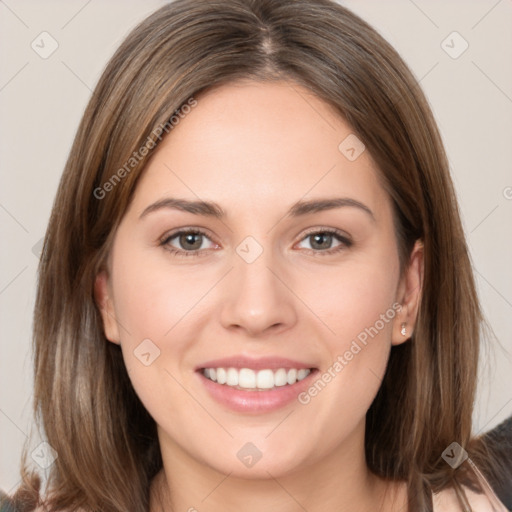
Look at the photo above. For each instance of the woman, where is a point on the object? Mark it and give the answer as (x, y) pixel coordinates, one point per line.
(255, 289)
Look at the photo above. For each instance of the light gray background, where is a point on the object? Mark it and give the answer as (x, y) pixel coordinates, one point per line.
(42, 100)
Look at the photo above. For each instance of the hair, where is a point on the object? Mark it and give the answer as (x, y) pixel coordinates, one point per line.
(107, 445)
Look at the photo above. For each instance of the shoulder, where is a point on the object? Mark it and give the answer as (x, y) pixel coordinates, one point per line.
(447, 501)
(498, 443)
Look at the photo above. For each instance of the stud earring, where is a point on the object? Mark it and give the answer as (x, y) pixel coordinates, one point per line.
(403, 331)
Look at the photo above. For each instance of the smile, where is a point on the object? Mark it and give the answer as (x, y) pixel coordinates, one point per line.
(248, 391)
(256, 380)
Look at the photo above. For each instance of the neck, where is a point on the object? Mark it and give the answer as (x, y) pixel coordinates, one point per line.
(340, 481)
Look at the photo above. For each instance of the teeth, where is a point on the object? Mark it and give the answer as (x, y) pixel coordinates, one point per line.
(232, 377)
(245, 378)
(221, 375)
(291, 376)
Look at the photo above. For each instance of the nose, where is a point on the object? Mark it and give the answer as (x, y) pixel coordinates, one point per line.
(258, 297)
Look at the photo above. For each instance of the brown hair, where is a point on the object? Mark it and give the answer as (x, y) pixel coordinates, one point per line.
(106, 441)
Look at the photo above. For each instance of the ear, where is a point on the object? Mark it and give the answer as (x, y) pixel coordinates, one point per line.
(103, 297)
(409, 296)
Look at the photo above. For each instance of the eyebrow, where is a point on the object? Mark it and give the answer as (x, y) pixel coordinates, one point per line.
(212, 209)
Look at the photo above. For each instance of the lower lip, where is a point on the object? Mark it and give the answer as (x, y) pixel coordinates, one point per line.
(255, 401)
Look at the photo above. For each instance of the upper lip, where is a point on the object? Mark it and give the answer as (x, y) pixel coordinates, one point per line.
(260, 363)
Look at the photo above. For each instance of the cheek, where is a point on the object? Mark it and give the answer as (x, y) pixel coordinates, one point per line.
(152, 297)
(351, 299)
(357, 303)
(154, 305)
(157, 309)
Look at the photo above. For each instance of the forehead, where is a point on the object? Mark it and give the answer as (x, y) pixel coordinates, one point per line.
(259, 144)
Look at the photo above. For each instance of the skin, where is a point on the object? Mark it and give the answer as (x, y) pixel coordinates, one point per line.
(255, 149)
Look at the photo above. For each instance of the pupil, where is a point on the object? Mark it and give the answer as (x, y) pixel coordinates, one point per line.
(188, 239)
(325, 236)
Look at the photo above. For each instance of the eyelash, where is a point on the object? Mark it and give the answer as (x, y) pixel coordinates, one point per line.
(345, 242)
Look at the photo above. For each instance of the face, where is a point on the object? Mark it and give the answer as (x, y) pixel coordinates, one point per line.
(293, 265)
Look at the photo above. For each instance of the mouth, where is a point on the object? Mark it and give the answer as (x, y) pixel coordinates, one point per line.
(248, 379)
(255, 391)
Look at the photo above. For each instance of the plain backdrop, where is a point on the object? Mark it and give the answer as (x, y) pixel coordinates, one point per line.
(467, 77)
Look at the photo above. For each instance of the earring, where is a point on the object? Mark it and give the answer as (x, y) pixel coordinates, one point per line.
(403, 332)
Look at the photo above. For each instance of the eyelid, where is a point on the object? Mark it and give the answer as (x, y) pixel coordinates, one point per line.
(344, 239)
(179, 231)
(165, 239)
(325, 229)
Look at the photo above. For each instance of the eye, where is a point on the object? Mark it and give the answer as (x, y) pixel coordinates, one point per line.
(190, 242)
(321, 241)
